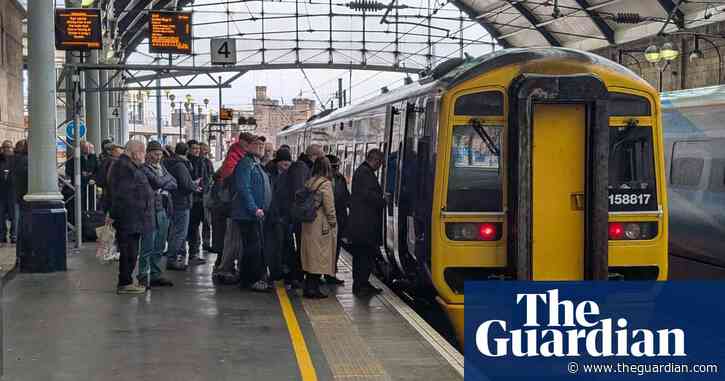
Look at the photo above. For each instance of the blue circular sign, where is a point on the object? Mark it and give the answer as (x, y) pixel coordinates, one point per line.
(70, 130)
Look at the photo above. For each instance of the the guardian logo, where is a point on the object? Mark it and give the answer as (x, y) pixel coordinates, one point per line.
(572, 329)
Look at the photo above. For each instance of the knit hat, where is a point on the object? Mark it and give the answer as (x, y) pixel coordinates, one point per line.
(283, 155)
(154, 146)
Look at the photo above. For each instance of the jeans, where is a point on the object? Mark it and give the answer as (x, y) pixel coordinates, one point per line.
(196, 218)
(177, 237)
(128, 245)
(152, 248)
(251, 267)
(362, 264)
(7, 213)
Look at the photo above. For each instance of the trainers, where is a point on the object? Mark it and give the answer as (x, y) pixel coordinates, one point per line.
(131, 289)
(260, 286)
(196, 260)
(161, 282)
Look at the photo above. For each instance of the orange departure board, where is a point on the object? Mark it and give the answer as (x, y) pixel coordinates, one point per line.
(170, 32)
(77, 29)
(226, 114)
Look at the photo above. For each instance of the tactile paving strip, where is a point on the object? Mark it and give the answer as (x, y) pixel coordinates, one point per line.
(347, 354)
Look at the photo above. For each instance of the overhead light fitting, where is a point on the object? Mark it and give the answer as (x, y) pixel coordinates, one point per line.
(668, 52)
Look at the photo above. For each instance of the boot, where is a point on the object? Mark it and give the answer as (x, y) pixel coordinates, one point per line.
(313, 288)
(196, 259)
(175, 264)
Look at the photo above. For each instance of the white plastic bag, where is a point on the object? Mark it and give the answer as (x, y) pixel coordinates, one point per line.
(106, 249)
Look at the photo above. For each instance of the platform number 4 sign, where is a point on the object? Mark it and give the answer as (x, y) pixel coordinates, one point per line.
(223, 51)
(114, 113)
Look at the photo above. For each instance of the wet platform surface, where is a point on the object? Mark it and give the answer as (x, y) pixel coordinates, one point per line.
(73, 326)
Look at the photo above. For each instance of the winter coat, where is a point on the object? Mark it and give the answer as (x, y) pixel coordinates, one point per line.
(20, 177)
(281, 202)
(250, 185)
(102, 179)
(132, 201)
(299, 172)
(162, 183)
(200, 170)
(319, 238)
(89, 165)
(7, 187)
(342, 201)
(180, 168)
(365, 225)
(234, 155)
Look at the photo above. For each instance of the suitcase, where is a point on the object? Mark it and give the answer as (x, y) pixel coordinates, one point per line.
(91, 218)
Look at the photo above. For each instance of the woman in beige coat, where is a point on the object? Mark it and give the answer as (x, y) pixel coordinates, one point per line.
(319, 238)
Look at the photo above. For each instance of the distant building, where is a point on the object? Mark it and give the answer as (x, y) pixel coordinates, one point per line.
(12, 120)
(272, 116)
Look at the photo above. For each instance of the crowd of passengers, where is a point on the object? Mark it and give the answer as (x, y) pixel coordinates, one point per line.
(171, 202)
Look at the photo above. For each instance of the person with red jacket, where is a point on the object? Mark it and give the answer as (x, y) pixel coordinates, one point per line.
(236, 152)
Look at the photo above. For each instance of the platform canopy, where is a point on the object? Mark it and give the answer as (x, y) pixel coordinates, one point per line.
(586, 24)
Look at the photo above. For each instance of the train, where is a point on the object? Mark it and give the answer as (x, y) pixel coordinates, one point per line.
(521, 164)
(694, 132)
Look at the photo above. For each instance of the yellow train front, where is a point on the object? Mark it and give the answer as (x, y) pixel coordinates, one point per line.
(524, 164)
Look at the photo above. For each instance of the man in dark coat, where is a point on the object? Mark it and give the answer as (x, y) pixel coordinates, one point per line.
(278, 245)
(114, 152)
(201, 176)
(342, 203)
(298, 174)
(7, 192)
(89, 167)
(365, 226)
(132, 211)
(206, 232)
(180, 168)
(20, 181)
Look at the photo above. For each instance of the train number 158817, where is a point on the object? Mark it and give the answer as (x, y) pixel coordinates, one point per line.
(629, 199)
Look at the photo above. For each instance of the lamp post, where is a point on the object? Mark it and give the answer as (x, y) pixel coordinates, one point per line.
(661, 58)
(189, 106)
(698, 54)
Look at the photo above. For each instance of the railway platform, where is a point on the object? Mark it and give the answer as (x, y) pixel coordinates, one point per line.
(72, 326)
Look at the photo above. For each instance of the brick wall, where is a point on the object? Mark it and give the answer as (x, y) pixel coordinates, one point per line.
(681, 73)
(12, 121)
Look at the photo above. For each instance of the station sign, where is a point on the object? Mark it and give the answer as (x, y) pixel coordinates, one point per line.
(170, 32)
(223, 51)
(226, 114)
(114, 113)
(78, 29)
(70, 130)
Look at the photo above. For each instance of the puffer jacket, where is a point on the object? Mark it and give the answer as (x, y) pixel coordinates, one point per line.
(234, 155)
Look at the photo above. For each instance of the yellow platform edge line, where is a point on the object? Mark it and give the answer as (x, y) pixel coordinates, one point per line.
(304, 361)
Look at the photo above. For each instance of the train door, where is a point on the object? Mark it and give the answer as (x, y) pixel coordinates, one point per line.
(394, 131)
(407, 189)
(558, 191)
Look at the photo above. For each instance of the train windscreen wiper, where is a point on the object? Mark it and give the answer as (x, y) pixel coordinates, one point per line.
(485, 137)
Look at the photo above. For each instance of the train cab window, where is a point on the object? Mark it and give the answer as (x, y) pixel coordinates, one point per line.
(632, 168)
(480, 104)
(688, 161)
(474, 179)
(628, 105)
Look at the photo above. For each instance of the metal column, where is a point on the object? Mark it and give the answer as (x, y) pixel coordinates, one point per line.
(93, 105)
(103, 98)
(123, 131)
(159, 127)
(42, 246)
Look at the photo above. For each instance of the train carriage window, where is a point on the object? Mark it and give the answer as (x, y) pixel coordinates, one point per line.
(474, 179)
(480, 104)
(359, 154)
(688, 161)
(717, 175)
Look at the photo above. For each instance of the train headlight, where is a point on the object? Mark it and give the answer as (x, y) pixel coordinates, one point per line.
(473, 231)
(624, 231)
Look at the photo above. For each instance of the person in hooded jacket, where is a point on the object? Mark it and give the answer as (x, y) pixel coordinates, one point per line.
(199, 175)
(180, 168)
(278, 245)
(152, 243)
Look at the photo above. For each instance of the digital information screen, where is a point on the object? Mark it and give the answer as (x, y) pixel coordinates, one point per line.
(226, 114)
(77, 29)
(170, 32)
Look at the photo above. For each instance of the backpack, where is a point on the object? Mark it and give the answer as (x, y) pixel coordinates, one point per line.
(303, 206)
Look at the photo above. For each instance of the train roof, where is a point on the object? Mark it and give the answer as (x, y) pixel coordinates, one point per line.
(467, 69)
(703, 96)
